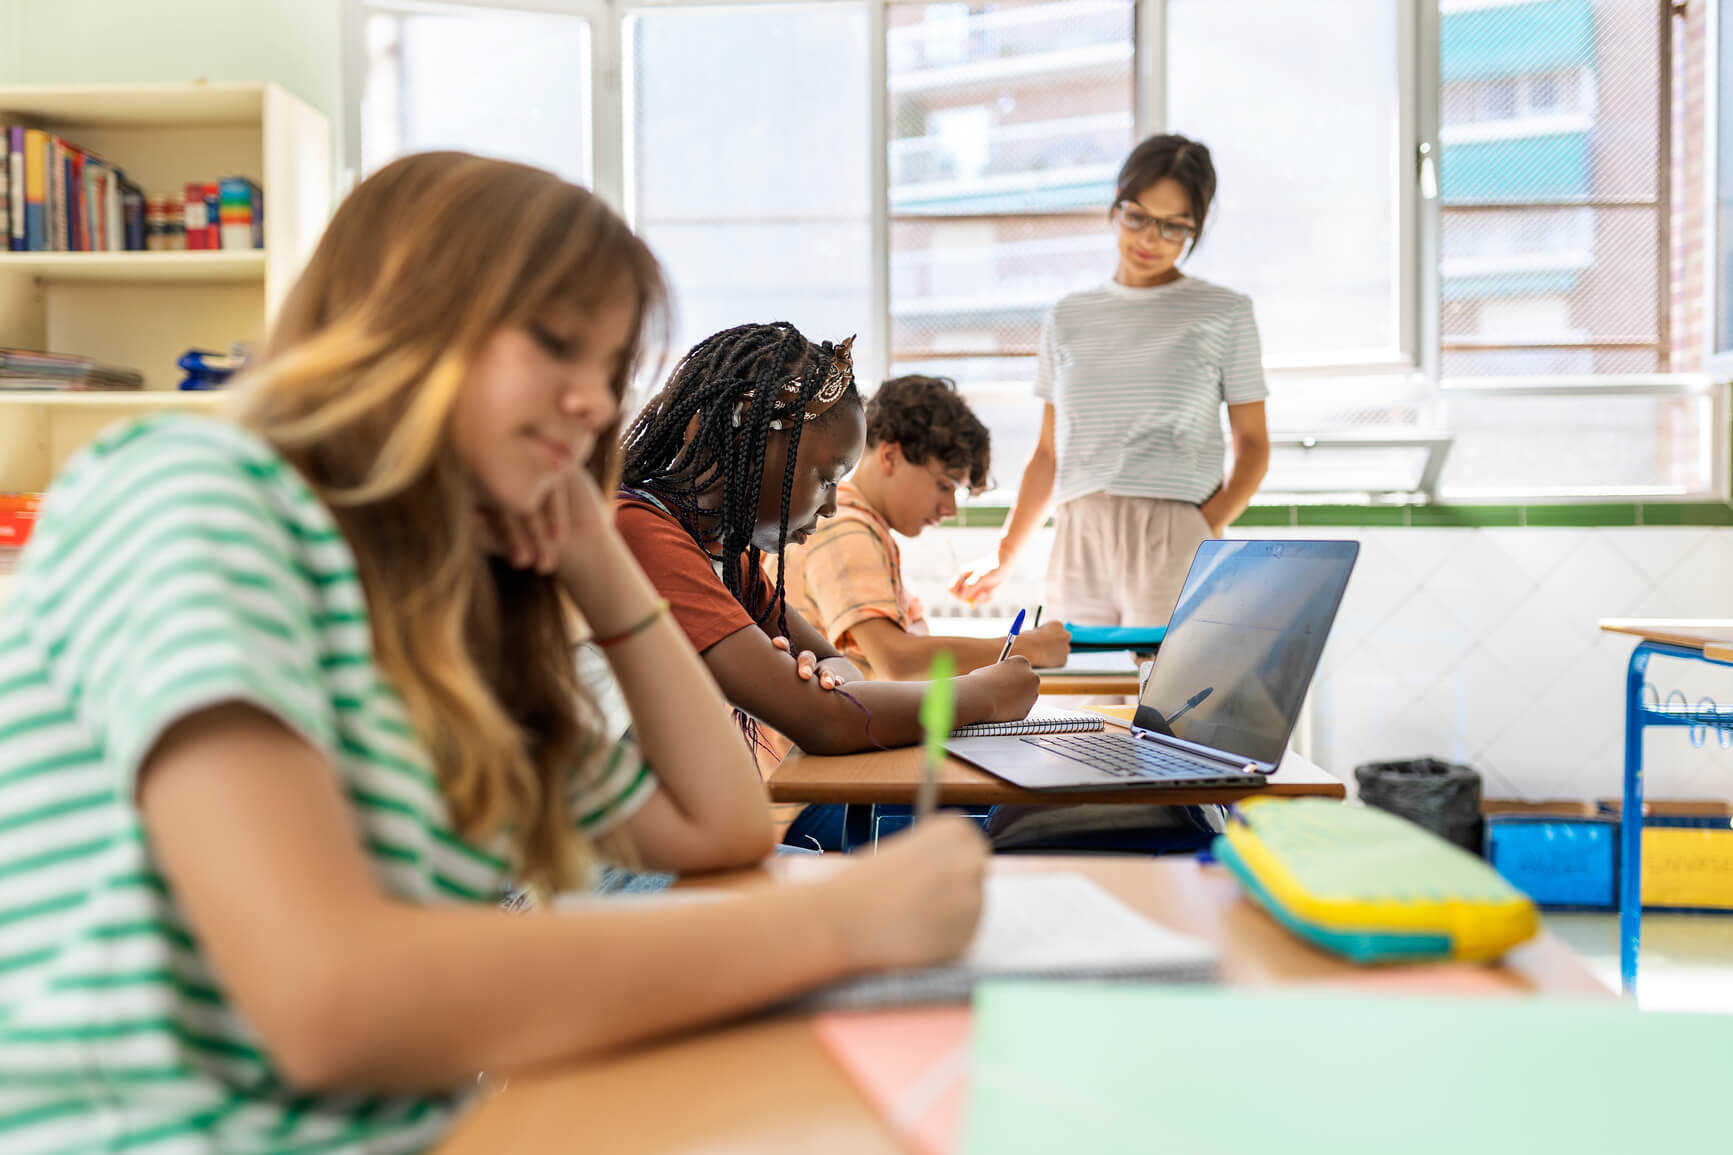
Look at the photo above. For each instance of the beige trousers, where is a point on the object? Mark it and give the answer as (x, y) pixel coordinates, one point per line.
(1120, 561)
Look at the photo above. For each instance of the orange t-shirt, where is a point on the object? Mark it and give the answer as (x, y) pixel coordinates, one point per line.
(684, 574)
(849, 572)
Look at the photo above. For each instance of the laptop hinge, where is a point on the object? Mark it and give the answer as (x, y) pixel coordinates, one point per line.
(1234, 761)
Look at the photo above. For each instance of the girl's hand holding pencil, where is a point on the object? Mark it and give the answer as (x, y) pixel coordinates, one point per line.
(917, 900)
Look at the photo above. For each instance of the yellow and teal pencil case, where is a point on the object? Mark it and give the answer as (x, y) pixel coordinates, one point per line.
(1371, 886)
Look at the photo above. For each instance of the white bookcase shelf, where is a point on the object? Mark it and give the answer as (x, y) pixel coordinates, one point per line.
(112, 399)
(215, 267)
(144, 309)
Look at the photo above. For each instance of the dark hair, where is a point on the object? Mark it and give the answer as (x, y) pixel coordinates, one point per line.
(926, 418)
(1169, 155)
(730, 388)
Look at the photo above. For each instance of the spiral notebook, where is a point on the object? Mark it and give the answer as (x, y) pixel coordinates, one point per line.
(1039, 722)
(1041, 926)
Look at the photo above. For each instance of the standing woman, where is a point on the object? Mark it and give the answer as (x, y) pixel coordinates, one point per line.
(1134, 374)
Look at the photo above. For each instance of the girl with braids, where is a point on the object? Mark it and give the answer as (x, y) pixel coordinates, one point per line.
(739, 455)
(287, 702)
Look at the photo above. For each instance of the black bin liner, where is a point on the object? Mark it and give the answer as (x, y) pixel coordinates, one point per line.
(1443, 797)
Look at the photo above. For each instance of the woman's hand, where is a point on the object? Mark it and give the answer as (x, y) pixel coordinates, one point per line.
(1214, 515)
(977, 583)
(807, 666)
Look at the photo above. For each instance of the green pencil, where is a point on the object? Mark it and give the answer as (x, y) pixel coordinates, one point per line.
(938, 711)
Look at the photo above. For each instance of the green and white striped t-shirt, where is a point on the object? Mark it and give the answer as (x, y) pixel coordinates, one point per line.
(181, 563)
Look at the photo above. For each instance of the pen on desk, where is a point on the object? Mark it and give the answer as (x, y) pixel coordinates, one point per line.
(938, 711)
(1036, 624)
(1011, 634)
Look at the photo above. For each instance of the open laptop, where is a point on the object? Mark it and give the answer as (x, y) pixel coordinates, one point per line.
(1226, 686)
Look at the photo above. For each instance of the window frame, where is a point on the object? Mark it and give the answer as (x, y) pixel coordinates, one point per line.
(1717, 362)
(1418, 353)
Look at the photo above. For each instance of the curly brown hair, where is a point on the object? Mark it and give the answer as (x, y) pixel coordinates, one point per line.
(926, 418)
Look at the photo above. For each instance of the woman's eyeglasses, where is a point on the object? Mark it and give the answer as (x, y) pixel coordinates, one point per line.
(1134, 220)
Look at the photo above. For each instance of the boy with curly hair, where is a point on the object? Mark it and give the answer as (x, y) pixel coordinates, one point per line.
(923, 444)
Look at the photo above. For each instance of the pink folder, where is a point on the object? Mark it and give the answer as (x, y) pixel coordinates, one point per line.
(912, 1065)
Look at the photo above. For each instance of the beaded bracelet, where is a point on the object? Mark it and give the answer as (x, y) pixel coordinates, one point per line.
(636, 628)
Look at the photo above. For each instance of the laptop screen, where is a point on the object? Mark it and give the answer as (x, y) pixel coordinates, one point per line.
(1244, 642)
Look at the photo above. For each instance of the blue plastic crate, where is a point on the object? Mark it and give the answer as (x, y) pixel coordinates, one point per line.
(1562, 863)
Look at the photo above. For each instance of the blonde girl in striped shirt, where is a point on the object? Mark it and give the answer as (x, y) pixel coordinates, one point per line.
(287, 702)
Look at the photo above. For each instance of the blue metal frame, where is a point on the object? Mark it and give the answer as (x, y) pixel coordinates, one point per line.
(1638, 717)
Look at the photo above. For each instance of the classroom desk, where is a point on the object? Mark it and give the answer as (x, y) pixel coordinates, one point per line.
(1092, 673)
(1124, 685)
(1707, 640)
(766, 1084)
(893, 776)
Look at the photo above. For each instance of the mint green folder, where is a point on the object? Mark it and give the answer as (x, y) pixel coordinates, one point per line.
(1108, 1069)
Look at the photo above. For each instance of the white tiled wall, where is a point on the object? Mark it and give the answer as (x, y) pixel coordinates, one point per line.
(1479, 645)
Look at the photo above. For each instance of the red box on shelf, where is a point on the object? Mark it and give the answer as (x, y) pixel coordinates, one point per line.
(17, 518)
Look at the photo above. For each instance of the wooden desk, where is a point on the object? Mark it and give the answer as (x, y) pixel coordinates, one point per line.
(766, 1085)
(1714, 636)
(892, 776)
(1092, 684)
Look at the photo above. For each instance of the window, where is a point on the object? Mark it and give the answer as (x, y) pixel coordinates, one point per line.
(1551, 217)
(1007, 124)
(1307, 218)
(499, 82)
(1557, 255)
(1501, 226)
(1722, 252)
(748, 164)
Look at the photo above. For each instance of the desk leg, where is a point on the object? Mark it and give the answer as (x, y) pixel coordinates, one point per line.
(1631, 826)
(857, 826)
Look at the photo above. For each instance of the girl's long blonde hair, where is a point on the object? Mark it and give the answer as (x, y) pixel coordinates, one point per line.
(421, 264)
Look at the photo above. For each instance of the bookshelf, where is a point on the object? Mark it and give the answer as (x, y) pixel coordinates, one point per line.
(144, 309)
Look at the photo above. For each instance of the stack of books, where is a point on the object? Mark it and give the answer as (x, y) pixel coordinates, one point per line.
(58, 197)
(27, 369)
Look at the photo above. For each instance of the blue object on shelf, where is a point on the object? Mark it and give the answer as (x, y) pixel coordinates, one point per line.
(1115, 637)
(207, 370)
(1561, 862)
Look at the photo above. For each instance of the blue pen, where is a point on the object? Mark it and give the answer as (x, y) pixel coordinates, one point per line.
(1011, 636)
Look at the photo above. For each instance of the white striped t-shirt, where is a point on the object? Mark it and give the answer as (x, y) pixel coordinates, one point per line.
(1137, 378)
(181, 563)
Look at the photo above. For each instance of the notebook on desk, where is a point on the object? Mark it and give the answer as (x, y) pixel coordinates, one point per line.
(1038, 722)
(1225, 689)
(1046, 926)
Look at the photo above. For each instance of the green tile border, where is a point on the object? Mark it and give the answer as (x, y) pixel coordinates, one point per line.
(1266, 515)
(1697, 513)
(1464, 516)
(1581, 515)
(1552, 515)
(1366, 515)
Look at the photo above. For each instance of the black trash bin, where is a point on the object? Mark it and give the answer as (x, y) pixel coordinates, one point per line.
(1443, 797)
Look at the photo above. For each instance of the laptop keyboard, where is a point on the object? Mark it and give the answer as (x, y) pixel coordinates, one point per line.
(1125, 757)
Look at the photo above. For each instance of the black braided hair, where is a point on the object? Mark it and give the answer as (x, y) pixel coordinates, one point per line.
(748, 365)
